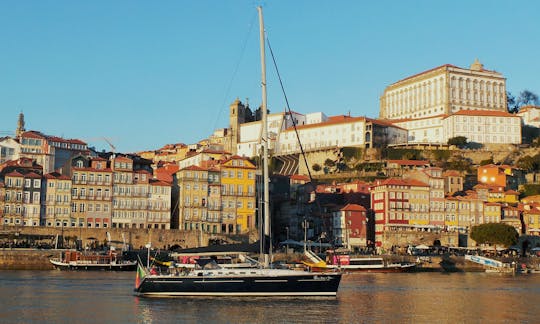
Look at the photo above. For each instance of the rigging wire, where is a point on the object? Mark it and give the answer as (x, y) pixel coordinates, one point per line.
(289, 109)
(235, 71)
(317, 202)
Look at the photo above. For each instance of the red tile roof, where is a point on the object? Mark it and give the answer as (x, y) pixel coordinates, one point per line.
(57, 176)
(14, 174)
(40, 135)
(401, 182)
(451, 173)
(123, 158)
(343, 119)
(194, 168)
(353, 207)
(32, 175)
(402, 120)
(157, 182)
(444, 66)
(300, 177)
(108, 170)
(441, 67)
(494, 113)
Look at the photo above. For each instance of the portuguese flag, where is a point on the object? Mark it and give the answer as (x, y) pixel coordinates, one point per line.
(140, 275)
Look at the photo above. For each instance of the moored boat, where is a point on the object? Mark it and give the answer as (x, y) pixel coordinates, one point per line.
(217, 281)
(211, 279)
(76, 260)
(343, 262)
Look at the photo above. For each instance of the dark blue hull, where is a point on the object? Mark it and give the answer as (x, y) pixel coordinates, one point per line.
(305, 284)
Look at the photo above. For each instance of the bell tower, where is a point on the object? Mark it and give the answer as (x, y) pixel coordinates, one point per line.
(20, 126)
(236, 117)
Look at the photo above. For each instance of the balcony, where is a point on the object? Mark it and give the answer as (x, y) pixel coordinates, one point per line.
(238, 194)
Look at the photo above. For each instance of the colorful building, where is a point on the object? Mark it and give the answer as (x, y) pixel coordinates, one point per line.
(504, 176)
(238, 194)
(193, 198)
(22, 200)
(531, 218)
(350, 227)
(91, 193)
(399, 203)
(56, 207)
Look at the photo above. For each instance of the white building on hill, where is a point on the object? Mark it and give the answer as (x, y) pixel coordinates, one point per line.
(482, 126)
(530, 115)
(444, 90)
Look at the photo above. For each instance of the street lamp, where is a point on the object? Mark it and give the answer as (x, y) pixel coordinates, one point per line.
(347, 229)
(305, 234)
(287, 229)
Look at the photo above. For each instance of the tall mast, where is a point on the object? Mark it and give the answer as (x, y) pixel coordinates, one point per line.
(264, 135)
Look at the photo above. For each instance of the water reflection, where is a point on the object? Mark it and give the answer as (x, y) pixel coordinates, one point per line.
(68, 297)
(447, 297)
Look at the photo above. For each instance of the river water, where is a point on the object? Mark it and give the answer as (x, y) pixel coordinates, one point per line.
(107, 297)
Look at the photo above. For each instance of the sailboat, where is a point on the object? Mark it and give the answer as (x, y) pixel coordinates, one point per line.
(212, 280)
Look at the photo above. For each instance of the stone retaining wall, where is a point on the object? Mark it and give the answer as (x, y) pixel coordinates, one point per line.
(27, 259)
(136, 238)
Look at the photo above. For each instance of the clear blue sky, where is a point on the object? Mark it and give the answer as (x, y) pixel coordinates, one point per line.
(148, 73)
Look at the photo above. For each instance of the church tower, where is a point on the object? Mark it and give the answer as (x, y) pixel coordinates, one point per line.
(236, 117)
(20, 126)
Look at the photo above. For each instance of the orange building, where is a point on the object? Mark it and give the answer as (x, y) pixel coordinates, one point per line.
(504, 176)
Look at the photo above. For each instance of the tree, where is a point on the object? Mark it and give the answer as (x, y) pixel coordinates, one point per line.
(495, 233)
(316, 167)
(526, 163)
(329, 163)
(459, 163)
(459, 141)
(525, 98)
(511, 103)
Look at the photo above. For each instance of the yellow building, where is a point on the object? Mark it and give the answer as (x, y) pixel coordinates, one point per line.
(238, 194)
(531, 217)
(511, 216)
(492, 212)
(57, 201)
(511, 197)
(192, 201)
(419, 202)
